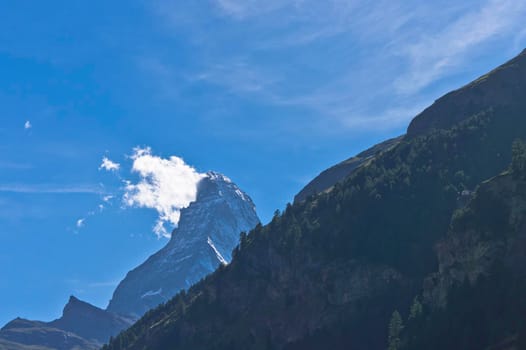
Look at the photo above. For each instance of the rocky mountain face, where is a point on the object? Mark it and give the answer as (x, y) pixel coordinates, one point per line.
(208, 231)
(82, 326)
(329, 177)
(329, 271)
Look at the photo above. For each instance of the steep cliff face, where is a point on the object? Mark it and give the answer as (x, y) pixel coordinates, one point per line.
(82, 326)
(208, 231)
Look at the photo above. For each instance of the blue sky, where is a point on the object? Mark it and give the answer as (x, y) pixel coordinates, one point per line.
(267, 92)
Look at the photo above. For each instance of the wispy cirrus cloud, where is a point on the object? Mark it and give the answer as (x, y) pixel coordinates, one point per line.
(249, 8)
(51, 189)
(15, 165)
(440, 53)
(239, 76)
(81, 286)
(103, 284)
(350, 62)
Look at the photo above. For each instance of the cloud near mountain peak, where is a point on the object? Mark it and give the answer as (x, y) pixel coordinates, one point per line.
(165, 184)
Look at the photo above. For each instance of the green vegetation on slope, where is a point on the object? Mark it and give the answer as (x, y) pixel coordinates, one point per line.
(328, 272)
(477, 297)
(329, 177)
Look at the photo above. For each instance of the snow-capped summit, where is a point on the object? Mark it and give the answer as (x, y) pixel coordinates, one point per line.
(207, 232)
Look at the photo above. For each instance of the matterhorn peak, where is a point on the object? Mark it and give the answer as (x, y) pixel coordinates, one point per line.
(207, 232)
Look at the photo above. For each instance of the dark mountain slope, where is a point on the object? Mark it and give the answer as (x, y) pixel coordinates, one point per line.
(25, 334)
(477, 297)
(89, 321)
(82, 326)
(328, 178)
(7, 345)
(329, 271)
(501, 89)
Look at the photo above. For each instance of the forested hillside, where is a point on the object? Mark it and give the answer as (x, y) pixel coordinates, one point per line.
(329, 272)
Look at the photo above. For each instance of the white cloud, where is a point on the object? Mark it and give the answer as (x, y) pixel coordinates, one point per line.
(166, 185)
(27, 125)
(80, 222)
(109, 165)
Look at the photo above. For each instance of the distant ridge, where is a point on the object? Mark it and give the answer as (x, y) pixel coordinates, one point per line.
(502, 88)
(81, 327)
(329, 177)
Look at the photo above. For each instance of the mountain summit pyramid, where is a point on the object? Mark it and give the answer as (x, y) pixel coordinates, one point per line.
(207, 233)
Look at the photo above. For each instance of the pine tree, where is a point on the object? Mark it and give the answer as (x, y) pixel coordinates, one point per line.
(242, 240)
(415, 310)
(518, 159)
(395, 329)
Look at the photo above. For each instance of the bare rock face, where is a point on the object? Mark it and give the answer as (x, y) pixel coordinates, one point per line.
(208, 231)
